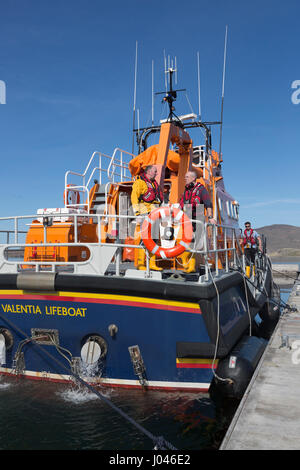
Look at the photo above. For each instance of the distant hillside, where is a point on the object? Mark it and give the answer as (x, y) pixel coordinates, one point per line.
(282, 240)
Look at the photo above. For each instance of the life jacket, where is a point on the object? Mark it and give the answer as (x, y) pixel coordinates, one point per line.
(249, 239)
(154, 193)
(192, 195)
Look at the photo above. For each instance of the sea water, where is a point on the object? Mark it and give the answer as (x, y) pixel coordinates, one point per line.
(48, 416)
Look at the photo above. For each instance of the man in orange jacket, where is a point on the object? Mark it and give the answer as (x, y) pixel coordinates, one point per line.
(146, 195)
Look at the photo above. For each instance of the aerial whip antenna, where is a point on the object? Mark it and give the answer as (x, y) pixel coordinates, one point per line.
(134, 94)
(199, 102)
(152, 92)
(223, 86)
(221, 123)
(165, 62)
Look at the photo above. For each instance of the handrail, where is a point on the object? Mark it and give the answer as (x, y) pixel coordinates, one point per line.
(109, 172)
(85, 184)
(125, 167)
(207, 252)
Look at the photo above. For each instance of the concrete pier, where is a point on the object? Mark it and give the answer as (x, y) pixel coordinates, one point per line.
(268, 417)
(285, 274)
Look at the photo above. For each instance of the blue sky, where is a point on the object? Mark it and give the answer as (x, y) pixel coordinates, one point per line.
(68, 67)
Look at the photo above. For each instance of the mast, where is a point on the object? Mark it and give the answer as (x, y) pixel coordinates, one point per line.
(170, 95)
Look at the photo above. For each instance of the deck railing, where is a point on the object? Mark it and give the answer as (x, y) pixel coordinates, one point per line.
(217, 253)
(104, 168)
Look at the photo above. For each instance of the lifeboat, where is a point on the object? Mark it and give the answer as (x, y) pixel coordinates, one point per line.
(150, 300)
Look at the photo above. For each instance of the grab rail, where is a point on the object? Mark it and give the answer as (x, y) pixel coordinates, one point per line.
(119, 163)
(106, 165)
(225, 249)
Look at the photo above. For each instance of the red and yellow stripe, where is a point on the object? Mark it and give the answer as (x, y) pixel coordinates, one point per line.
(142, 302)
(195, 363)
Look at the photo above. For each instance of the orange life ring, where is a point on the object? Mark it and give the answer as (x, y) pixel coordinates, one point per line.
(180, 217)
(71, 196)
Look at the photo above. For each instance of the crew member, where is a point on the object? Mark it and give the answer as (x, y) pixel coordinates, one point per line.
(146, 195)
(194, 194)
(251, 242)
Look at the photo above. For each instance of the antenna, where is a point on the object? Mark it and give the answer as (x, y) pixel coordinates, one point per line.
(223, 87)
(199, 102)
(152, 92)
(170, 95)
(221, 123)
(165, 62)
(134, 94)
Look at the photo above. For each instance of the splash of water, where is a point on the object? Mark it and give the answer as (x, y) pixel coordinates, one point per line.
(4, 385)
(89, 370)
(77, 393)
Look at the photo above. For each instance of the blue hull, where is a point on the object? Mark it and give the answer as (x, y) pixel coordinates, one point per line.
(174, 337)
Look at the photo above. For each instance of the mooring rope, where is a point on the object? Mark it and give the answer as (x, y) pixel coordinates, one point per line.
(160, 442)
(284, 274)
